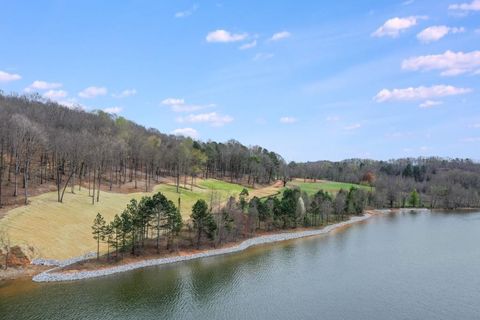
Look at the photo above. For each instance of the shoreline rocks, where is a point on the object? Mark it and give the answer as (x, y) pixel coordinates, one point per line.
(51, 275)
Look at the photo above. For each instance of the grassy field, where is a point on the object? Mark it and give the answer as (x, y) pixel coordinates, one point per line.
(63, 230)
(330, 186)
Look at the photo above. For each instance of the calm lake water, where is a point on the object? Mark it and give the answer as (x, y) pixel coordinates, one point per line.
(396, 266)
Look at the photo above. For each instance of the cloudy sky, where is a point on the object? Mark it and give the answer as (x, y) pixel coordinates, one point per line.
(310, 80)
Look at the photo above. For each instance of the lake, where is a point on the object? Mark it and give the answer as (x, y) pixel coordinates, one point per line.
(408, 265)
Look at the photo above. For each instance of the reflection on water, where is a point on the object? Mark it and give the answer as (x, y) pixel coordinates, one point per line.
(408, 265)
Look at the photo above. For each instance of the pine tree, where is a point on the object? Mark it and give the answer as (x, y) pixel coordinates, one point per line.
(203, 221)
(98, 229)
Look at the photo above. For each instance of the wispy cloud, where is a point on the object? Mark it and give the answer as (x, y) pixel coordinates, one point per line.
(280, 35)
(186, 13)
(213, 118)
(450, 63)
(393, 27)
(430, 103)
(436, 33)
(55, 94)
(113, 110)
(42, 85)
(466, 6)
(352, 127)
(288, 120)
(92, 92)
(186, 132)
(125, 93)
(8, 77)
(223, 36)
(179, 105)
(419, 93)
(262, 56)
(248, 45)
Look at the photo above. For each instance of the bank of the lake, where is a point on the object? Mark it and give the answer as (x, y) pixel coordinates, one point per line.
(404, 265)
(59, 274)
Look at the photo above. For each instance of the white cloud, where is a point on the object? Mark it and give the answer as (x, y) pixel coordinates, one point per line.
(408, 2)
(262, 56)
(436, 33)
(113, 110)
(393, 27)
(430, 103)
(472, 6)
(225, 36)
(186, 132)
(92, 92)
(419, 93)
(42, 85)
(212, 118)
(186, 13)
(477, 31)
(354, 126)
(288, 120)
(451, 63)
(173, 101)
(55, 94)
(280, 35)
(72, 103)
(125, 93)
(475, 125)
(7, 77)
(248, 45)
(179, 105)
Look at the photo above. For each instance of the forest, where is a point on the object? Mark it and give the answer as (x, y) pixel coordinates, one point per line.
(45, 146)
(441, 183)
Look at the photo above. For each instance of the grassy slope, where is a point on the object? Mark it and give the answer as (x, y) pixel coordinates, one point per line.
(63, 230)
(330, 186)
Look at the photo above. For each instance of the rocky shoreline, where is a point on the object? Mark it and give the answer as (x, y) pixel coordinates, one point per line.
(53, 274)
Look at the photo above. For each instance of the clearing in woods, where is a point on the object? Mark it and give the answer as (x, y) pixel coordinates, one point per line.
(333, 187)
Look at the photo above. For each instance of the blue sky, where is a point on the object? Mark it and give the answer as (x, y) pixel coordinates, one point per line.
(310, 80)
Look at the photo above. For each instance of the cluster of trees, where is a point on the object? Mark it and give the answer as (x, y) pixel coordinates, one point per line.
(151, 217)
(154, 220)
(439, 183)
(42, 142)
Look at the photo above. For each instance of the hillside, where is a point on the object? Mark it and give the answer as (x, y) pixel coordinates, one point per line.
(63, 230)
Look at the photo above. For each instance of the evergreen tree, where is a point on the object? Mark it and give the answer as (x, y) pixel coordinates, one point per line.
(98, 229)
(203, 221)
(414, 199)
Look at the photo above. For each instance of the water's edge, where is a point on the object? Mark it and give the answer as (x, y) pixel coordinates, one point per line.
(51, 275)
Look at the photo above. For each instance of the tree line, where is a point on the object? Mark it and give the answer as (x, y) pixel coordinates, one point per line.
(155, 222)
(438, 182)
(42, 143)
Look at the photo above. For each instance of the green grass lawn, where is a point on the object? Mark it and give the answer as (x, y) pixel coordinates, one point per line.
(330, 186)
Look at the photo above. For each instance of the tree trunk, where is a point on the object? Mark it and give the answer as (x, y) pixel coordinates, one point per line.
(25, 180)
(94, 183)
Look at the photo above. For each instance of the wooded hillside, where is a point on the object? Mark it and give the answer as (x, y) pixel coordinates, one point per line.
(46, 144)
(42, 143)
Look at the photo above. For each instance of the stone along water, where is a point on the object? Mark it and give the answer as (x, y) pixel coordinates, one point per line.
(397, 266)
